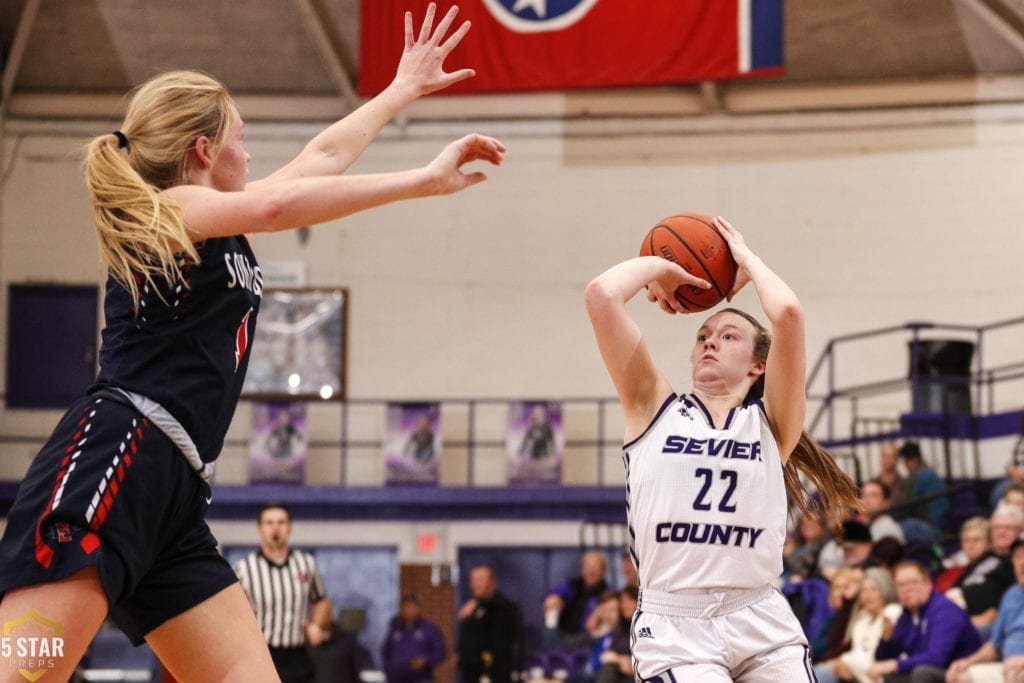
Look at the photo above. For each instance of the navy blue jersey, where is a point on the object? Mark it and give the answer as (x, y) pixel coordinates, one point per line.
(188, 350)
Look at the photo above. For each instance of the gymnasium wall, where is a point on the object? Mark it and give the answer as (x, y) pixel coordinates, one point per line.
(875, 218)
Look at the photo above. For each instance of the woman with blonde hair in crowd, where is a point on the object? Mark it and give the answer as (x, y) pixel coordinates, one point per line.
(876, 603)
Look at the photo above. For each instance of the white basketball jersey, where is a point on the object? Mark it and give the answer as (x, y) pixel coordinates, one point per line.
(706, 507)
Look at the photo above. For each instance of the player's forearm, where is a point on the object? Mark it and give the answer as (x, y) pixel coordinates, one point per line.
(778, 300)
(337, 147)
(623, 281)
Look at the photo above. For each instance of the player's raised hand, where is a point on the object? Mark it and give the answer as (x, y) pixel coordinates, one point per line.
(421, 67)
(446, 168)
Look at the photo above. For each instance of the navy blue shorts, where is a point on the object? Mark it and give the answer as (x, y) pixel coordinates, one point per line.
(109, 490)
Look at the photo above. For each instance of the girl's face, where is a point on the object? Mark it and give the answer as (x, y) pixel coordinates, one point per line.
(724, 352)
(627, 605)
(231, 165)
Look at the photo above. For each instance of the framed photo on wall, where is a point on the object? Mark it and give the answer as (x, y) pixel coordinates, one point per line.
(299, 348)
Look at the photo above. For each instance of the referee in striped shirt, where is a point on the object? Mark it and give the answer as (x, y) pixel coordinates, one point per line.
(281, 583)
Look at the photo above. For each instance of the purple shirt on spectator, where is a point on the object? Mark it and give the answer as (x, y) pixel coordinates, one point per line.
(940, 634)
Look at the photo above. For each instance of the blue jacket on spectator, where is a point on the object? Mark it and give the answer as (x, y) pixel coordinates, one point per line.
(409, 641)
(1008, 631)
(943, 632)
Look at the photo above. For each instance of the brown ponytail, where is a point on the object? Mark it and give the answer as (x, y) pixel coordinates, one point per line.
(836, 490)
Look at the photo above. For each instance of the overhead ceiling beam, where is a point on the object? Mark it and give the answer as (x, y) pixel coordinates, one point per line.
(999, 19)
(322, 42)
(18, 46)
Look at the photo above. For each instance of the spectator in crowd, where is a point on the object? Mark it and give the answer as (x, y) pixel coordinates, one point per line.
(983, 582)
(811, 537)
(856, 543)
(281, 583)
(1006, 524)
(616, 662)
(975, 541)
(850, 546)
(1014, 470)
(886, 553)
(568, 605)
(875, 602)
(1014, 495)
(1001, 658)
(490, 631)
(922, 523)
(628, 569)
(827, 640)
(930, 633)
(606, 619)
(889, 472)
(413, 645)
(875, 499)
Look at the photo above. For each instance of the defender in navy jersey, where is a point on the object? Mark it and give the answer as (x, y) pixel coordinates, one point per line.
(707, 474)
(110, 516)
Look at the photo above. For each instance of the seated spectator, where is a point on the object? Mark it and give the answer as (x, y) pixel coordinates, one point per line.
(1001, 658)
(1006, 524)
(615, 659)
(850, 546)
(975, 541)
(875, 602)
(1014, 471)
(930, 633)
(569, 604)
(628, 569)
(922, 523)
(888, 470)
(413, 646)
(811, 537)
(1014, 495)
(828, 642)
(875, 499)
(886, 553)
(856, 542)
(983, 582)
(605, 618)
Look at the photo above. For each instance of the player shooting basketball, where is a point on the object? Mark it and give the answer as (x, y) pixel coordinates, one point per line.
(707, 474)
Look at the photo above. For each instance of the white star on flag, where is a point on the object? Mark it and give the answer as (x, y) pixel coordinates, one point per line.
(538, 6)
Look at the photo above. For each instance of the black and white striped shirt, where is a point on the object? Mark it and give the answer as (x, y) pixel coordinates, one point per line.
(280, 594)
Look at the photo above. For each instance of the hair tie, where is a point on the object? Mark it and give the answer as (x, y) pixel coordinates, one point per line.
(122, 139)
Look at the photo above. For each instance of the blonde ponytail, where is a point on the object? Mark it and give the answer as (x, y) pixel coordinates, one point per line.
(142, 235)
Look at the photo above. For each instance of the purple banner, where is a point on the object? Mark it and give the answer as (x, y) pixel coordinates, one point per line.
(277, 448)
(536, 442)
(412, 443)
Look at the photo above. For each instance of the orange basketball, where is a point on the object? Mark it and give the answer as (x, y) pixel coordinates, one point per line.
(692, 241)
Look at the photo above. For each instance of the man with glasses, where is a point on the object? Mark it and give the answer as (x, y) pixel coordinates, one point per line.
(931, 632)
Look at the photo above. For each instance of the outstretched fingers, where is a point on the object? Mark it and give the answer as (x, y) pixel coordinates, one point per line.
(428, 23)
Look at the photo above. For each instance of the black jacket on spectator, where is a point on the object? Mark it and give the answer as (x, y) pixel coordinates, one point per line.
(491, 641)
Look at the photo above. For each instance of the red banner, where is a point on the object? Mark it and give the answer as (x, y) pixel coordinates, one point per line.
(521, 45)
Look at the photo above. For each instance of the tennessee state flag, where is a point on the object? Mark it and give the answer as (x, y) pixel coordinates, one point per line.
(522, 45)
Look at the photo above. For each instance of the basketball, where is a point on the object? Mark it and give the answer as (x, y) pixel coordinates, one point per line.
(693, 241)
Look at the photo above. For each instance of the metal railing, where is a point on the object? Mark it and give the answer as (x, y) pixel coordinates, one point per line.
(836, 410)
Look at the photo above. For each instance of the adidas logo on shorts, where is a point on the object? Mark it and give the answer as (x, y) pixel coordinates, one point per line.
(644, 632)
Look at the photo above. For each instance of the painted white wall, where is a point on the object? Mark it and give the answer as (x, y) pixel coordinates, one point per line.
(874, 221)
